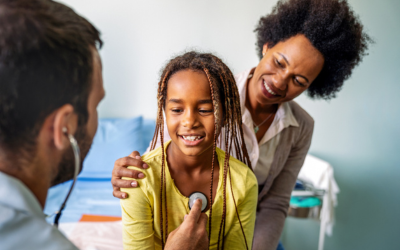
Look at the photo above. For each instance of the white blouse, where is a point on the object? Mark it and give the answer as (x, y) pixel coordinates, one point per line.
(262, 153)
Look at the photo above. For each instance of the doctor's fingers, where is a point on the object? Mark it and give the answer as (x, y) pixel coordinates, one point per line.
(195, 212)
(203, 221)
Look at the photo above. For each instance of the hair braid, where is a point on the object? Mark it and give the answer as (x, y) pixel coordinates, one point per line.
(216, 121)
(160, 101)
(162, 186)
(160, 130)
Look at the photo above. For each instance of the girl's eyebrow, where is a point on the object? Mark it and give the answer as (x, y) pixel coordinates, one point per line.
(175, 100)
(205, 101)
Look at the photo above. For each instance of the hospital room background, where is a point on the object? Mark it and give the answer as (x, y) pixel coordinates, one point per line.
(357, 133)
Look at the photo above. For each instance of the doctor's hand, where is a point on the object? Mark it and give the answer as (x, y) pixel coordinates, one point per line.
(192, 233)
(120, 170)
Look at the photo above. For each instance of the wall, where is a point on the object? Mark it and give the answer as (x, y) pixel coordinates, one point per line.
(140, 36)
(357, 132)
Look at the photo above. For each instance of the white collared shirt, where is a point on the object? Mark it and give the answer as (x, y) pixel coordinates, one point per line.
(22, 222)
(262, 153)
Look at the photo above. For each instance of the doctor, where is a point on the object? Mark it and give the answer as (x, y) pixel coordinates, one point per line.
(51, 84)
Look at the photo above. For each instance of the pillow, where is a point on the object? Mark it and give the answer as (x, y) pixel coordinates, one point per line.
(115, 138)
(149, 126)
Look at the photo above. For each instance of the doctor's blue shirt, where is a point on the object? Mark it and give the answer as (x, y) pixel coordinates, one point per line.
(22, 222)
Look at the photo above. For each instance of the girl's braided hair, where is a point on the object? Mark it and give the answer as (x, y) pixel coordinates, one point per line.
(224, 93)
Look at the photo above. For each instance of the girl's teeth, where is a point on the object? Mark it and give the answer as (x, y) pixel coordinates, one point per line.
(191, 138)
(268, 89)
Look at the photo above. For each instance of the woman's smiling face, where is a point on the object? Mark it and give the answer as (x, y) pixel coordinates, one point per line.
(285, 71)
(189, 112)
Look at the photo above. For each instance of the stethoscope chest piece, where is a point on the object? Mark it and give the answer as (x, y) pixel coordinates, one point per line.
(198, 195)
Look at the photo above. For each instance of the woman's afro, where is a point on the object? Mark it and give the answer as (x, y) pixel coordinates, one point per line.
(331, 26)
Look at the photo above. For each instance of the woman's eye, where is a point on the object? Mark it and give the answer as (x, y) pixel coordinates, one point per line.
(299, 83)
(278, 63)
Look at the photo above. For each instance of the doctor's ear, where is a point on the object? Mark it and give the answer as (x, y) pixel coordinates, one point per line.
(65, 122)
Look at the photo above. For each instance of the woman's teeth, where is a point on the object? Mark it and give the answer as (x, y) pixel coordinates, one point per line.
(268, 89)
(191, 138)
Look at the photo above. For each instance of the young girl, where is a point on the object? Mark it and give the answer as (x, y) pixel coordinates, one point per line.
(198, 95)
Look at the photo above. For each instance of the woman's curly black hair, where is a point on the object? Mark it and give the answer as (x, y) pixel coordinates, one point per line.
(331, 26)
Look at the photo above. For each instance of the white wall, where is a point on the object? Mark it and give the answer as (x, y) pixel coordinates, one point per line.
(358, 132)
(140, 36)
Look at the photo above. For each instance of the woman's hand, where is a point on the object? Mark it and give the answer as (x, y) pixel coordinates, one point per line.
(120, 170)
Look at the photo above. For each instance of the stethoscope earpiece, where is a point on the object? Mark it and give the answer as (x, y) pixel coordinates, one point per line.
(76, 151)
(198, 195)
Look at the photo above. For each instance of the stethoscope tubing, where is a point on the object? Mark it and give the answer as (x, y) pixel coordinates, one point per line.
(76, 151)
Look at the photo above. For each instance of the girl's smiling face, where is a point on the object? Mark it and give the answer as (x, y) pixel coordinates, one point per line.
(189, 112)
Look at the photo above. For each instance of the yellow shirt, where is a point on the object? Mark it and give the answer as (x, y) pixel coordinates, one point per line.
(141, 210)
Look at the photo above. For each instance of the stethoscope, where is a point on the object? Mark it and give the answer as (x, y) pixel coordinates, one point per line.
(76, 151)
(198, 195)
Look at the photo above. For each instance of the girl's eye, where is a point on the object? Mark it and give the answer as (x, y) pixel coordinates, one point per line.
(205, 111)
(176, 110)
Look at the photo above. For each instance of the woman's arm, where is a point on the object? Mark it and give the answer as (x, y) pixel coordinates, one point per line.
(272, 209)
(120, 169)
(247, 211)
(137, 221)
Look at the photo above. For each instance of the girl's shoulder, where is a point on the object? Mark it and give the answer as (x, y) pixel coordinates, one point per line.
(240, 172)
(153, 155)
(232, 160)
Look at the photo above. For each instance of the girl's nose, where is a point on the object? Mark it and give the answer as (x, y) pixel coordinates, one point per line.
(188, 119)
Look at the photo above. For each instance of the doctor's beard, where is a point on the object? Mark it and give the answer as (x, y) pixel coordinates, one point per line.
(66, 168)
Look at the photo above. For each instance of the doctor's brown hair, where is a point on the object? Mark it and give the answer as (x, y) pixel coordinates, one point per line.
(224, 93)
(46, 61)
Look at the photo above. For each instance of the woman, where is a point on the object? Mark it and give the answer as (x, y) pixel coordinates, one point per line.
(303, 45)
